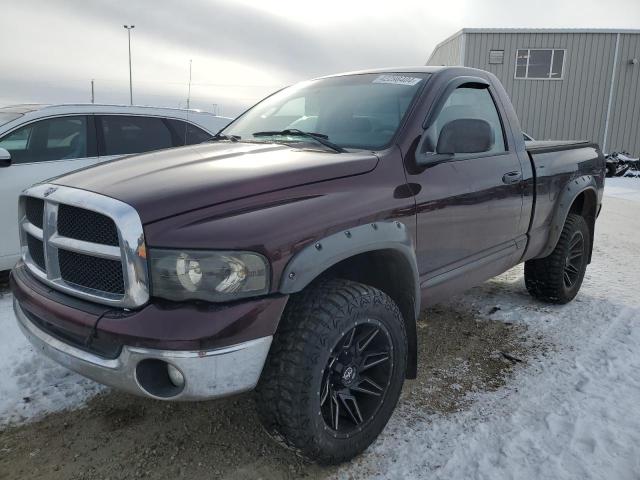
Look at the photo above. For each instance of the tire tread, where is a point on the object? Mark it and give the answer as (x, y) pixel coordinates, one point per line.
(544, 276)
(309, 322)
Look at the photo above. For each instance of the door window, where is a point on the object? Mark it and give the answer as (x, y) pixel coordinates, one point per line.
(187, 134)
(51, 139)
(468, 103)
(124, 135)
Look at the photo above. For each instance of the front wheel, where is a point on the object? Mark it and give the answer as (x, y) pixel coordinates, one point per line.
(335, 370)
(558, 277)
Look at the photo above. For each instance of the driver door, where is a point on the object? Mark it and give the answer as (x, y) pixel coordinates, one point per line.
(469, 205)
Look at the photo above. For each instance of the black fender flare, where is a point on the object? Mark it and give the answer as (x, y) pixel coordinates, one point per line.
(316, 258)
(570, 192)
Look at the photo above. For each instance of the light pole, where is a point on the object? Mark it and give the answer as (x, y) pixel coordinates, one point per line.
(129, 28)
(189, 94)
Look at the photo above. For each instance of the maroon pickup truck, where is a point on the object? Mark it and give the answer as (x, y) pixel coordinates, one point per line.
(294, 252)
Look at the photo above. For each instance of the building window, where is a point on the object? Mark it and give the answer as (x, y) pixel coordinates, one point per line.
(540, 63)
(496, 56)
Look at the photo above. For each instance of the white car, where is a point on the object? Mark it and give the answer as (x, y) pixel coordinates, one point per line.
(38, 142)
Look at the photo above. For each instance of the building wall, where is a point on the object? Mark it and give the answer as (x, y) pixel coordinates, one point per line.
(572, 108)
(624, 123)
(448, 52)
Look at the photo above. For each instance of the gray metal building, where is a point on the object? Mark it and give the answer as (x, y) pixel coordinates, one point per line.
(564, 83)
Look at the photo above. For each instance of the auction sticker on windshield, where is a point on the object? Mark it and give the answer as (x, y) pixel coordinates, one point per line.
(397, 79)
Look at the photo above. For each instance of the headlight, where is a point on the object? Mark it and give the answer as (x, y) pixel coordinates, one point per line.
(212, 276)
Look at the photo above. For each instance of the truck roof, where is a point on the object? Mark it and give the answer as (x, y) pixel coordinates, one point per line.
(415, 69)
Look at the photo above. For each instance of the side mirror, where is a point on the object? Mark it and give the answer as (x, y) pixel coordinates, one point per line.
(426, 156)
(465, 135)
(5, 157)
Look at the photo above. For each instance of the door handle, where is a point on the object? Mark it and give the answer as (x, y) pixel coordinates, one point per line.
(512, 177)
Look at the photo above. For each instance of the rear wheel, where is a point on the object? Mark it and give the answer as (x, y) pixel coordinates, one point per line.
(335, 370)
(558, 277)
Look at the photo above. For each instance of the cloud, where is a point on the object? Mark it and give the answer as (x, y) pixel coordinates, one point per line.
(241, 50)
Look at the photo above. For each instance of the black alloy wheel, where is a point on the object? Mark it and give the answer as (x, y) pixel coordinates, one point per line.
(574, 261)
(356, 378)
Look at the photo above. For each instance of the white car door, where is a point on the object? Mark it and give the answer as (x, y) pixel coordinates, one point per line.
(39, 150)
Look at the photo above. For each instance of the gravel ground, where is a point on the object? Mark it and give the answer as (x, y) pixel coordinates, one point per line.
(117, 436)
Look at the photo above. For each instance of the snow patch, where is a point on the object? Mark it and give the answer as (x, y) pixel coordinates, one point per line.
(31, 384)
(623, 187)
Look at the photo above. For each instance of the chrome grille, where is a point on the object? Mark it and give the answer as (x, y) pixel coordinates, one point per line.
(84, 244)
(81, 224)
(36, 250)
(92, 272)
(34, 210)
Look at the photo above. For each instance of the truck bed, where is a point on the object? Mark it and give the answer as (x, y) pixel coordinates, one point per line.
(555, 165)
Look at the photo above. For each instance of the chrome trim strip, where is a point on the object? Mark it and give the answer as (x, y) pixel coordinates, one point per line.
(50, 227)
(32, 230)
(208, 373)
(131, 252)
(87, 248)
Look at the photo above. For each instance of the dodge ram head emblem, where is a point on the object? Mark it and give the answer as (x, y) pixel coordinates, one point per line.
(49, 191)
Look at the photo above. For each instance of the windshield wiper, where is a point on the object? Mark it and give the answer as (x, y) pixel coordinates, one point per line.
(318, 137)
(223, 136)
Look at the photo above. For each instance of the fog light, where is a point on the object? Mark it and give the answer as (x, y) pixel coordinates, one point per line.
(175, 375)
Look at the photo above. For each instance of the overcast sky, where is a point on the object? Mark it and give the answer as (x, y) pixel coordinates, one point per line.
(242, 50)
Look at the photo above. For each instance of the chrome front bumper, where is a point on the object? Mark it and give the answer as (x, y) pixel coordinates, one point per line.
(207, 374)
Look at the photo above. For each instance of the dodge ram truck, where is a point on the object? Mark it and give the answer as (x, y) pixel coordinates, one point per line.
(293, 253)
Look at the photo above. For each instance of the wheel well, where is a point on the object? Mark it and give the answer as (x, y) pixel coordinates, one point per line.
(390, 272)
(585, 205)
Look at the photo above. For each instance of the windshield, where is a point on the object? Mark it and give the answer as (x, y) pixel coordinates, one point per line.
(351, 111)
(6, 117)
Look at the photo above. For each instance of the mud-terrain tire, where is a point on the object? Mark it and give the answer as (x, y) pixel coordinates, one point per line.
(307, 382)
(558, 277)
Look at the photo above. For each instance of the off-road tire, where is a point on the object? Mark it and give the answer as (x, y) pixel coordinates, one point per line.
(288, 393)
(545, 277)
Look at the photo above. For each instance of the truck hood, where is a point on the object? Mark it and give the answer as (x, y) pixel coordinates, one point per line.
(168, 182)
